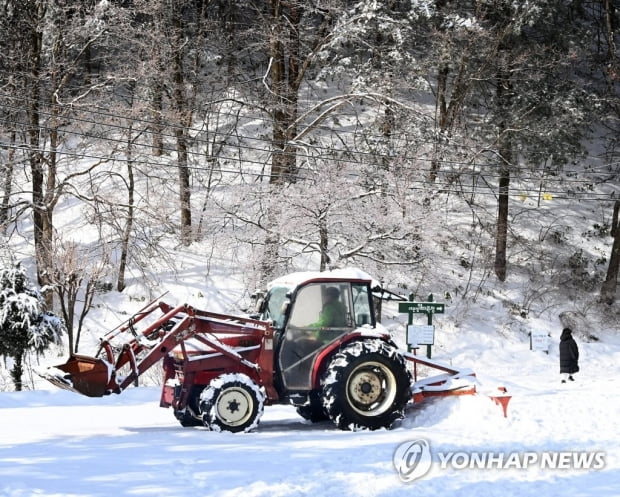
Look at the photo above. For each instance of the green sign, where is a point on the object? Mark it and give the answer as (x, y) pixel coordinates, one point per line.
(427, 307)
(419, 335)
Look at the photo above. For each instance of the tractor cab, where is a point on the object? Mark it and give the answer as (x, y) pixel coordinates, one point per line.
(312, 313)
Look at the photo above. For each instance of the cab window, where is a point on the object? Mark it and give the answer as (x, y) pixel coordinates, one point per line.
(324, 305)
(275, 306)
(361, 305)
(321, 313)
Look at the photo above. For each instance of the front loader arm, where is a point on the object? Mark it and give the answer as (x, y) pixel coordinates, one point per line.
(122, 359)
(180, 332)
(98, 376)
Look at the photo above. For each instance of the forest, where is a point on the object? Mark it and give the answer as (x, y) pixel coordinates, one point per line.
(436, 143)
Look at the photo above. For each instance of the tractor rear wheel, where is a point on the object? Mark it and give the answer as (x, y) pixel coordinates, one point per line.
(232, 402)
(366, 386)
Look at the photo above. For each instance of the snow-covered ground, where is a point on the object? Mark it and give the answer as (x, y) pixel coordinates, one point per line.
(56, 443)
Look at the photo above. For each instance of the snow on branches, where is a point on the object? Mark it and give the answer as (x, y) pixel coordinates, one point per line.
(24, 323)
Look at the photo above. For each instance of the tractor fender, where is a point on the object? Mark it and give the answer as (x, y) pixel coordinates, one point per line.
(323, 356)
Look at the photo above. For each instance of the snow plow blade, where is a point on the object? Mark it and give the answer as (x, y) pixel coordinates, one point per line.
(81, 374)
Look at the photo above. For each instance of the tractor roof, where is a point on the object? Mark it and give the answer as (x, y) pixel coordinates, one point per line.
(294, 280)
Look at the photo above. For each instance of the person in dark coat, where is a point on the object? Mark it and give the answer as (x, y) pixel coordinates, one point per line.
(569, 355)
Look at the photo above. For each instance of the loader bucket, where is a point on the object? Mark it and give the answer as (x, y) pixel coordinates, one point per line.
(81, 374)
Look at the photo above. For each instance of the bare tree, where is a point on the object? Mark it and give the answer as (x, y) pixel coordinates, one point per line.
(521, 68)
(76, 275)
(49, 53)
(610, 63)
(129, 216)
(296, 31)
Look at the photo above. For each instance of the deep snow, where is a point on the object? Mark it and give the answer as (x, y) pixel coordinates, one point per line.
(56, 443)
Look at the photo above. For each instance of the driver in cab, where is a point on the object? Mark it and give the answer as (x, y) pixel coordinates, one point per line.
(333, 313)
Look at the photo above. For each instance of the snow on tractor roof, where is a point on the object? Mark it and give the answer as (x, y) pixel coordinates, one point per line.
(294, 280)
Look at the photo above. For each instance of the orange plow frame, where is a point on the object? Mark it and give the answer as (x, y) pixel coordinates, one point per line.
(450, 382)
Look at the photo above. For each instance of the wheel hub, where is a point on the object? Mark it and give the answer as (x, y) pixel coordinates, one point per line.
(371, 388)
(234, 406)
(366, 387)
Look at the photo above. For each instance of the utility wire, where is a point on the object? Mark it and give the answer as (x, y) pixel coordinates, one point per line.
(269, 151)
(154, 124)
(423, 186)
(419, 171)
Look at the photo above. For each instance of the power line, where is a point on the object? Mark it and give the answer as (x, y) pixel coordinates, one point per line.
(155, 124)
(269, 151)
(443, 162)
(301, 169)
(263, 165)
(424, 186)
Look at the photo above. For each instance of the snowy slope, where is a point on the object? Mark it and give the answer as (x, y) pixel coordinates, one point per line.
(56, 443)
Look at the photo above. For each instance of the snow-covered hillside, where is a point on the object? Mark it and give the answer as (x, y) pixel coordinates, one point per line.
(55, 443)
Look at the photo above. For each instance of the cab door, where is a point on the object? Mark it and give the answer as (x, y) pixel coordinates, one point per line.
(308, 332)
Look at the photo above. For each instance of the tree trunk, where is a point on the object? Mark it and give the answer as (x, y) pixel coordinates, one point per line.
(448, 112)
(181, 137)
(501, 236)
(609, 287)
(89, 295)
(8, 180)
(324, 241)
(184, 187)
(610, 29)
(64, 293)
(49, 201)
(182, 154)
(442, 109)
(120, 282)
(285, 82)
(278, 162)
(17, 371)
(35, 159)
(504, 90)
(157, 145)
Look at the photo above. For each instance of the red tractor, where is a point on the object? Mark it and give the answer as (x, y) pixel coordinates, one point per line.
(314, 342)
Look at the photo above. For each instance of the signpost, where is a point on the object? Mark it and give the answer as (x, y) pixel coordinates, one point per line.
(417, 334)
(420, 334)
(426, 307)
(539, 340)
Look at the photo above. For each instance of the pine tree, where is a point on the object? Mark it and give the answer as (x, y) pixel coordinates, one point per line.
(24, 323)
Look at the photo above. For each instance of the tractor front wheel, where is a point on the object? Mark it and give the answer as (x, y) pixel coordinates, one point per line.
(366, 386)
(232, 402)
